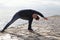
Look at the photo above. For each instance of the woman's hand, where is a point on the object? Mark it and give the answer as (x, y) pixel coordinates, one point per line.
(46, 18)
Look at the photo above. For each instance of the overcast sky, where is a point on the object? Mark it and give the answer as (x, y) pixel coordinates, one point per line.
(47, 7)
(18, 3)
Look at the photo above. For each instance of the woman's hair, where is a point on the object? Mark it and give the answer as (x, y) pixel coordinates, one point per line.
(37, 18)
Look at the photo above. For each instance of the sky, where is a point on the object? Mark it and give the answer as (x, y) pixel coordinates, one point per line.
(46, 7)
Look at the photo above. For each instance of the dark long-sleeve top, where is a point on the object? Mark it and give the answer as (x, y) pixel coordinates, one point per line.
(26, 14)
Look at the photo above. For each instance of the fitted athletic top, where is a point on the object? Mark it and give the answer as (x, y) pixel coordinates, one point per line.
(27, 13)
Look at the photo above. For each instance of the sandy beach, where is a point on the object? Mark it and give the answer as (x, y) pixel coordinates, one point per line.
(43, 30)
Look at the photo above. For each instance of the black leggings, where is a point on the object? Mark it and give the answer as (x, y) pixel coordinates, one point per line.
(15, 17)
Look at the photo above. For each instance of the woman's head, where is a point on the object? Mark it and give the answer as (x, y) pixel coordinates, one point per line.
(35, 16)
